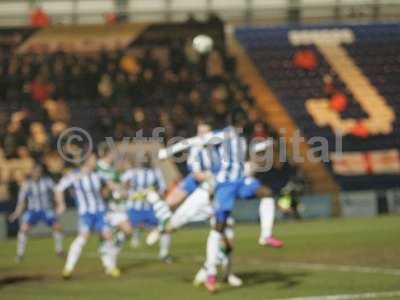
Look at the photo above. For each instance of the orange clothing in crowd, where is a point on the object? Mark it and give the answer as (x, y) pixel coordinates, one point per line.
(111, 18)
(338, 102)
(360, 130)
(305, 59)
(40, 91)
(129, 64)
(39, 18)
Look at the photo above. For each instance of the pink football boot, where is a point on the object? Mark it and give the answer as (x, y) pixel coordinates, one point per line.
(211, 283)
(272, 242)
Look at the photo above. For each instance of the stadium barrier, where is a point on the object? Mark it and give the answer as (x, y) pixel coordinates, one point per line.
(315, 206)
(311, 207)
(3, 227)
(359, 204)
(393, 199)
(355, 204)
(69, 222)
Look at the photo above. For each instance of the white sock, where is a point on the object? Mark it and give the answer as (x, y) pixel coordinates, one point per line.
(267, 215)
(201, 275)
(58, 241)
(165, 244)
(227, 265)
(114, 252)
(109, 254)
(21, 243)
(119, 241)
(75, 252)
(226, 260)
(229, 233)
(161, 208)
(107, 261)
(213, 248)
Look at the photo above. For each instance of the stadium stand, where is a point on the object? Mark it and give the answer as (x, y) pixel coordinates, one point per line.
(123, 88)
(332, 78)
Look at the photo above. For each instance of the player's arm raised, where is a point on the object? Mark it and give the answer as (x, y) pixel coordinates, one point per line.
(212, 138)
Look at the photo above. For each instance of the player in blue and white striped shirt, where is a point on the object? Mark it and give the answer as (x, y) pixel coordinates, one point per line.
(141, 181)
(202, 163)
(36, 195)
(231, 184)
(86, 186)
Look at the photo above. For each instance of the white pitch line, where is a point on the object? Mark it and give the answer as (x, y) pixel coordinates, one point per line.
(349, 296)
(339, 268)
(281, 265)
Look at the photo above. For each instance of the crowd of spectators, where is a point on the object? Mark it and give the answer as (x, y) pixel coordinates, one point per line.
(116, 93)
(127, 91)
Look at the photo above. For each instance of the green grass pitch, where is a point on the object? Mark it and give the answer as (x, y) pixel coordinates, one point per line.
(329, 257)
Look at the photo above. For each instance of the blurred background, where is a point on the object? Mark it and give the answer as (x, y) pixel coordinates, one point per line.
(115, 67)
(20, 12)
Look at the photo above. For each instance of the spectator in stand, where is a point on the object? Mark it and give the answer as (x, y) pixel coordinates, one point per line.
(129, 91)
(12, 139)
(41, 89)
(38, 141)
(16, 134)
(39, 18)
(105, 88)
(57, 110)
(305, 59)
(215, 68)
(259, 130)
(55, 130)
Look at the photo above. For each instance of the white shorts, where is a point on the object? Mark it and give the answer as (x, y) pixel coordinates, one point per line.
(115, 218)
(196, 208)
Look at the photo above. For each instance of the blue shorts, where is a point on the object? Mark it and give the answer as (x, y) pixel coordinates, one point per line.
(189, 184)
(227, 192)
(143, 216)
(93, 222)
(249, 187)
(32, 217)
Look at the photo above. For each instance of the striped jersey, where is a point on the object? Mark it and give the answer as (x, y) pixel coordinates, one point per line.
(232, 153)
(37, 193)
(86, 190)
(140, 179)
(204, 158)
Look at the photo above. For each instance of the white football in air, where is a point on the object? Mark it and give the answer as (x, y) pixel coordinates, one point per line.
(203, 43)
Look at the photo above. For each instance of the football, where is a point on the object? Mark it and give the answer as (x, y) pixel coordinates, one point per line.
(203, 43)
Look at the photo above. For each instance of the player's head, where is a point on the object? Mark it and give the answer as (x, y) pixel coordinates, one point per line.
(204, 126)
(105, 152)
(89, 164)
(147, 160)
(37, 171)
(123, 163)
